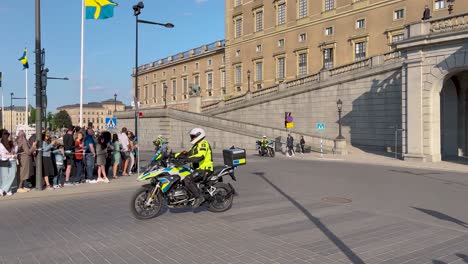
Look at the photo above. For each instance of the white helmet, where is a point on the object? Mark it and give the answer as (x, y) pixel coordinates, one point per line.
(196, 135)
(264, 136)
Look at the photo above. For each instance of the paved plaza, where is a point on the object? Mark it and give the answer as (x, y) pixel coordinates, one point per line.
(287, 210)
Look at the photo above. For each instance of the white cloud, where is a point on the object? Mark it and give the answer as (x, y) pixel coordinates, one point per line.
(199, 2)
(96, 88)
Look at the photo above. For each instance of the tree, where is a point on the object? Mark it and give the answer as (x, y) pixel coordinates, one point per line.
(51, 120)
(32, 116)
(62, 119)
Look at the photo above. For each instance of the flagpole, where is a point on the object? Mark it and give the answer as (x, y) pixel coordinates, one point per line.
(82, 61)
(3, 112)
(26, 116)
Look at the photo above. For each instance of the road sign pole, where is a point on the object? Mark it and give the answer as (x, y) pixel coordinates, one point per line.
(321, 147)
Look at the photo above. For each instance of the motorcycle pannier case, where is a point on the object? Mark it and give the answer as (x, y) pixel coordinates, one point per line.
(234, 157)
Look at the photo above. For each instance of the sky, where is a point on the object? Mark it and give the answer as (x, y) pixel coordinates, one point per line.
(109, 45)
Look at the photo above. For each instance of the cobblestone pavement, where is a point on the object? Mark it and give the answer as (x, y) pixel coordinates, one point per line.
(279, 216)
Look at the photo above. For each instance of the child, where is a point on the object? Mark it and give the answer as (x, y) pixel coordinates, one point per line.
(59, 155)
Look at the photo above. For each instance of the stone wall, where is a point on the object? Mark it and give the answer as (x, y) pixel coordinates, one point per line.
(221, 133)
(372, 106)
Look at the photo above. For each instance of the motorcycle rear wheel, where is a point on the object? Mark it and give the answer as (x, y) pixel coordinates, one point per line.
(222, 199)
(138, 204)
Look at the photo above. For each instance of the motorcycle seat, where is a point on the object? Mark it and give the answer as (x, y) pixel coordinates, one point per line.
(217, 169)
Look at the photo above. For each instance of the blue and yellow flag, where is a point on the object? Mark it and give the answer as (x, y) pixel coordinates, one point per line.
(24, 60)
(99, 9)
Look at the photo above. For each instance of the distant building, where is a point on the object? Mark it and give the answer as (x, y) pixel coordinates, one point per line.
(94, 112)
(13, 117)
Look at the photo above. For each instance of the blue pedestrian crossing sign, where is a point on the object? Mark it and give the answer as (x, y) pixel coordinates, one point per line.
(320, 127)
(111, 122)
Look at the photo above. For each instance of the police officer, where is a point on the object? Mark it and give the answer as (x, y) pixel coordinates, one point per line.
(202, 163)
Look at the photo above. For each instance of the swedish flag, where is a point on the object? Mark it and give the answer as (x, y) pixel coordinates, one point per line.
(99, 9)
(24, 60)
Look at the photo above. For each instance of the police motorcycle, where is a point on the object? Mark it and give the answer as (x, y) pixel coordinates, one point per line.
(166, 185)
(265, 149)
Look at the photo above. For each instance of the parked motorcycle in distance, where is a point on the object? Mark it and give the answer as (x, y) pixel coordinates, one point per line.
(265, 149)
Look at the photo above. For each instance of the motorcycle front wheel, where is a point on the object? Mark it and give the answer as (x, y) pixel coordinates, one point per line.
(272, 152)
(222, 199)
(138, 205)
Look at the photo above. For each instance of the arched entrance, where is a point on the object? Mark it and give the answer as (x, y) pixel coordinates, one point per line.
(454, 117)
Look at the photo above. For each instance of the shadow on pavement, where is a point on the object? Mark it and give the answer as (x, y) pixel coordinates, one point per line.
(463, 257)
(355, 259)
(442, 216)
(426, 175)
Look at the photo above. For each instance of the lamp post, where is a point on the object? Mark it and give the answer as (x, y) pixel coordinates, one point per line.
(248, 81)
(339, 105)
(136, 12)
(115, 102)
(165, 95)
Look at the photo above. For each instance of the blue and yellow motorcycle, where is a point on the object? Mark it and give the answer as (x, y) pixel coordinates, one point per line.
(166, 187)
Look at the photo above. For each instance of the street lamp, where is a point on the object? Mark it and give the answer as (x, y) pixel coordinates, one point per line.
(339, 105)
(248, 81)
(136, 12)
(115, 102)
(165, 95)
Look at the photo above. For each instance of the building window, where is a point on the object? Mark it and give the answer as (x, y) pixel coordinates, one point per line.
(164, 74)
(238, 27)
(399, 14)
(360, 50)
(259, 71)
(329, 5)
(360, 23)
(146, 77)
(223, 79)
(223, 60)
(174, 89)
(185, 87)
(259, 21)
(209, 81)
(281, 14)
(155, 90)
(280, 68)
(237, 53)
(185, 68)
(281, 43)
(302, 8)
(439, 4)
(258, 48)
(329, 31)
(210, 62)
(302, 64)
(237, 2)
(154, 75)
(146, 92)
(302, 37)
(197, 80)
(173, 71)
(398, 37)
(238, 76)
(328, 58)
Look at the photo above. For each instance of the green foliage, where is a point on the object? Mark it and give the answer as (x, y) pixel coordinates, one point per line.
(62, 119)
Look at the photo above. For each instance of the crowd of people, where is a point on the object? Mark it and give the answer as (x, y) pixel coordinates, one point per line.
(80, 156)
